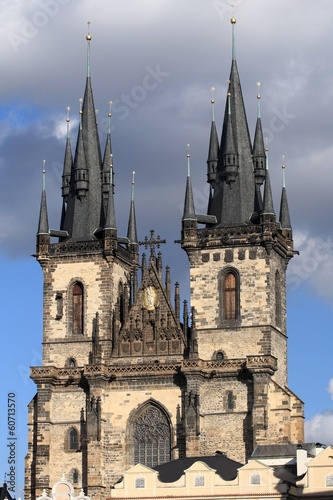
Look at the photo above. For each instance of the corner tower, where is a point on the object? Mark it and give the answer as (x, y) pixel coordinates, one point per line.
(238, 291)
(111, 391)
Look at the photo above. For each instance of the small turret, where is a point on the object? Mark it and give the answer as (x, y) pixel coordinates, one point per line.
(68, 163)
(284, 209)
(110, 227)
(81, 172)
(43, 231)
(258, 152)
(268, 212)
(132, 236)
(230, 165)
(189, 210)
(107, 163)
(213, 151)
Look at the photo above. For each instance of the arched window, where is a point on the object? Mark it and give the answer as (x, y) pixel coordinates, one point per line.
(278, 316)
(77, 308)
(73, 440)
(229, 295)
(151, 437)
(219, 356)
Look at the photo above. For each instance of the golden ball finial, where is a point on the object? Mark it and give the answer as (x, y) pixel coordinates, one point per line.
(233, 20)
(88, 37)
(212, 89)
(188, 151)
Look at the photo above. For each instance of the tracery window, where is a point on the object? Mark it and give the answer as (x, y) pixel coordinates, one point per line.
(77, 308)
(152, 437)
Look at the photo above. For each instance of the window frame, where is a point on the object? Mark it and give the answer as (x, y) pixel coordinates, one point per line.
(225, 318)
(69, 440)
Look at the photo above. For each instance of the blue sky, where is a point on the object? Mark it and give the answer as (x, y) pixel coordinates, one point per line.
(157, 61)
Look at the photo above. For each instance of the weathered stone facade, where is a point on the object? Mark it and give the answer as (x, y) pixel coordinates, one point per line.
(129, 375)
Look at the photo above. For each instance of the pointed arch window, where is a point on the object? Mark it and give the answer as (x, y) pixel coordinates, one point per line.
(78, 308)
(151, 437)
(278, 314)
(229, 295)
(73, 440)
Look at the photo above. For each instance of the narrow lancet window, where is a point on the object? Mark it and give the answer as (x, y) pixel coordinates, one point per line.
(77, 308)
(230, 296)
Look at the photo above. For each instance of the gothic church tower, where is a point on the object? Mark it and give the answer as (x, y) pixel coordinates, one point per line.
(125, 380)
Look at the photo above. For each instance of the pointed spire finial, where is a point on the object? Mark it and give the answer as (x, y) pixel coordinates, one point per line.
(233, 22)
(80, 111)
(212, 100)
(68, 120)
(109, 117)
(258, 99)
(188, 156)
(88, 38)
(229, 105)
(44, 173)
(133, 182)
(283, 172)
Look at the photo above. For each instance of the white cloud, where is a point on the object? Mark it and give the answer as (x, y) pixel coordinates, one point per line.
(314, 265)
(319, 428)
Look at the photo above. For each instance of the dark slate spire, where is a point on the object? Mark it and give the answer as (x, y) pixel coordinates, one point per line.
(110, 221)
(233, 203)
(43, 224)
(68, 163)
(229, 155)
(259, 155)
(268, 212)
(213, 151)
(284, 210)
(107, 163)
(131, 230)
(84, 200)
(259, 158)
(189, 211)
(81, 172)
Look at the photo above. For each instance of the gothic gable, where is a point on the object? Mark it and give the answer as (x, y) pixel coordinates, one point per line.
(151, 327)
